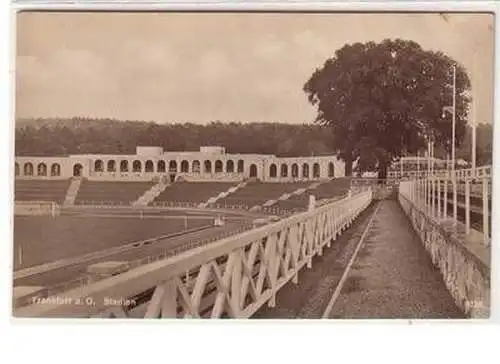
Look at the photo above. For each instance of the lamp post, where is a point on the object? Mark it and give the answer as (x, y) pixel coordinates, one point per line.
(473, 156)
(473, 105)
(447, 164)
(475, 47)
(453, 136)
(452, 110)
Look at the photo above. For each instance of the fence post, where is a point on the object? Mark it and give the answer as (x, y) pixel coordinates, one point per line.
(169, 301)
(445, 200)
(486, 229)
(422, 193)
(419, 192)
(467, 206)
(433, 200)
(426, 181)
(455, 202)
(429, 199)
(438, 215)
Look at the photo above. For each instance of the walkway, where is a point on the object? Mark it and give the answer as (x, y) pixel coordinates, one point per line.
(391, 276)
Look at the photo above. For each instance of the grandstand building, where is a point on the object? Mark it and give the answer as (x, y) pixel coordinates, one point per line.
(210, 163)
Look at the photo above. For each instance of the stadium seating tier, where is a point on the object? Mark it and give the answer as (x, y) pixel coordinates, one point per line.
(111, 192)
(192, 192)
(41, 190)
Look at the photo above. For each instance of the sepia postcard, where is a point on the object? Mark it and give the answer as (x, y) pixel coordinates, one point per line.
(253, 165)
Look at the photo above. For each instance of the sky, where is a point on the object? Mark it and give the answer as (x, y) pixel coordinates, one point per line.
(200, 67)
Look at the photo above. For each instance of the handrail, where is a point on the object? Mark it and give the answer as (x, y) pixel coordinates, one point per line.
(432, 195)
(483, 171)
(276, 251)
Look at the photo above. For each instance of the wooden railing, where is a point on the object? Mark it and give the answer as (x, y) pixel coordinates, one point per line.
(232, 277)
(480, 172)
(431, 195)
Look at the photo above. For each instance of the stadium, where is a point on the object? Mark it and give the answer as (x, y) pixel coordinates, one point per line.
(80, 211)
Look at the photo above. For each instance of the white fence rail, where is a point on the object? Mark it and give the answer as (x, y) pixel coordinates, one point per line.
(232, 277)
(479, 173)
(432, 196)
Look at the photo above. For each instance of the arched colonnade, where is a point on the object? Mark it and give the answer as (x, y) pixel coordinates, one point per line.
(40, 169)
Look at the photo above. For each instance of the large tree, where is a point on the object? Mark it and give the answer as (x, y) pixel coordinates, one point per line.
(383, 100)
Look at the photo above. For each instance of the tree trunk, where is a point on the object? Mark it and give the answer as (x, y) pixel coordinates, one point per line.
(348, 168)
(382, 171)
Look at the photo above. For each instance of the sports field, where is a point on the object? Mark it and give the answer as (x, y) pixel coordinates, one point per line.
(42, 239)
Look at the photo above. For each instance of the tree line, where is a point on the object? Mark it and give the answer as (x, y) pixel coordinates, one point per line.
(61, 137)
(49, 137)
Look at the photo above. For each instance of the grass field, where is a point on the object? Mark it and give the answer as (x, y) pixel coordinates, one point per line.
(39, 240)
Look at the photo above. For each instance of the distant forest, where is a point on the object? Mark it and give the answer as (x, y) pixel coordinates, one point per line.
(60, 137)
(46, 137)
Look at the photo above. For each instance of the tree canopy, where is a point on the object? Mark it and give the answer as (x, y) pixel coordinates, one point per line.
(382, 100)
(49, 137)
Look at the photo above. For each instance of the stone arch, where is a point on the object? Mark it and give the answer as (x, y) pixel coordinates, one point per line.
(16, 169)
(149, 167)
(284, 170)
(28, 169)
(253, 171)
(196, 166)
(124, 166)
(295, 170)
(55, 170)
(161, 167)
(185, 166)
(229, 166)
(172, 166)
(77, 170)
(207, 166)
(241, 166)
(219, 167)
(136, 166)
(305, 170)
(99, 165)
(111, 166)
(41, 169)
(316, 171)
(273, 171)
(331, 169)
